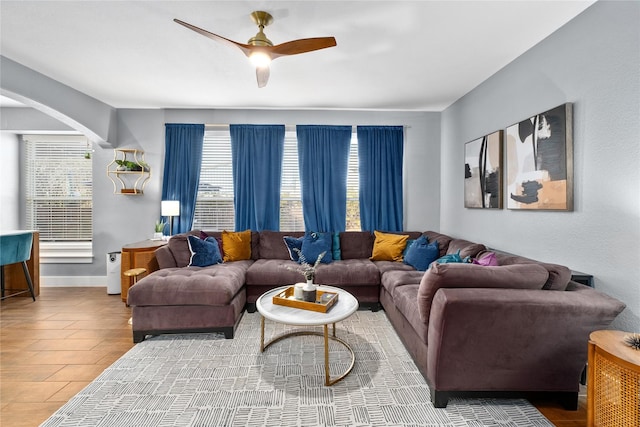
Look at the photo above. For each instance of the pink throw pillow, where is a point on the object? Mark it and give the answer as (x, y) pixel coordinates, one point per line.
(487, 260)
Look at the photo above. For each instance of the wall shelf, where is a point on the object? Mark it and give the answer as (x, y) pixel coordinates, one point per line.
(128, 171)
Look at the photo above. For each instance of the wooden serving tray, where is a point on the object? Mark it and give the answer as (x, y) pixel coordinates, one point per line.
(324, 300)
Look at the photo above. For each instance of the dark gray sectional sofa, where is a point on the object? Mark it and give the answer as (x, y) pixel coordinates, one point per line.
(522, 326)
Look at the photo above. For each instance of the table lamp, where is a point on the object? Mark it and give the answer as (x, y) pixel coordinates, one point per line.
(170, 208)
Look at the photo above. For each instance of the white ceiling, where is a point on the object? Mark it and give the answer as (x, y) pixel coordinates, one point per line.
(391, 55)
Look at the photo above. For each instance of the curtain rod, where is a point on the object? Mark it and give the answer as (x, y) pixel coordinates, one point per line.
(220, 126)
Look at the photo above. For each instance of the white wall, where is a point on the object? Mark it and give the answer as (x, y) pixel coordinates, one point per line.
(593, 62)
(10, 179)
(120, 219)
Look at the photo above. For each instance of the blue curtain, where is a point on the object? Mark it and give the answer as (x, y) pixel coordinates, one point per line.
(323, 154)
(182, 159)
(256, 153)
(380, 150)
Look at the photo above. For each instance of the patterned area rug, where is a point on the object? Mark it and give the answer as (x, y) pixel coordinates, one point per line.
(205, 380)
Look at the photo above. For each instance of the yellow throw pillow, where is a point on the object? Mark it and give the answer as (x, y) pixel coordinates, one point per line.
(388, 247)
(236, 245)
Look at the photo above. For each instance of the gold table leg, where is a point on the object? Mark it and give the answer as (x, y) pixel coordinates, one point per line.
(261, 334)
(325, 334)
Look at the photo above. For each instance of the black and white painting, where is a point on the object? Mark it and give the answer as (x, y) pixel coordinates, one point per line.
(483, 172)
(540, 161)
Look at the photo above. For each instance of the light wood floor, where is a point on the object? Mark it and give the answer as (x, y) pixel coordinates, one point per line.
(51, 349)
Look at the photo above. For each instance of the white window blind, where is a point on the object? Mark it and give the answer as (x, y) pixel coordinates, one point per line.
(290, 192)
(214, 204)
(58, 189)
(353, 187)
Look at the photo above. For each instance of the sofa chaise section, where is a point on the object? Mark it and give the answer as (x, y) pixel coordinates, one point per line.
(178, 298)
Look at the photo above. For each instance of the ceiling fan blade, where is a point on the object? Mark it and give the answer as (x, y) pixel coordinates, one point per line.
(262, 74)
(295, 47)
(246, 49)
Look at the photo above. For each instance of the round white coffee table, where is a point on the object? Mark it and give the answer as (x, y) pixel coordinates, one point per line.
(347, 305)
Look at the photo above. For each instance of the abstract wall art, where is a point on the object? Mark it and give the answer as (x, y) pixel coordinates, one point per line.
(540, 161)
(483, 172)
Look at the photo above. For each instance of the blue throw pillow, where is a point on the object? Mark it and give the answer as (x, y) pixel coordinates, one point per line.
(451, 258)
(293, 243)
(421, 253)
(204, 252)
(313, 244)
(335, 247)
(406, 248)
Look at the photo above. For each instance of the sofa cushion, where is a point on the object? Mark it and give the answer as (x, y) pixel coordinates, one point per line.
(388, 246)
(466, 248)
(236, 245)
(398, 278)
(518, 276)
(406, 300)
(274, 272)
(165, 258)
(442, 239)
(421, 253)
(213, 285)
(204, 252)
(559, 275)
(272, 244)
(356, 244)
(385, 266)
(348, 272)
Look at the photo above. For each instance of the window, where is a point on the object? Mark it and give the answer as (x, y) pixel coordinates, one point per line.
(214, 205)
(353, 187)
(291, 218)
(58, 196)
(214, 202)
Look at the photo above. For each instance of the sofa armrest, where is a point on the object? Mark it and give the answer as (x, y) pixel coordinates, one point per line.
(513, 339)
(152, 265)
(164, 257)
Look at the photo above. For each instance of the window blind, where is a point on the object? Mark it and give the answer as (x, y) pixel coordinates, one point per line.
(353, 187)
(291, 218)
(214, 203)
(58, 187)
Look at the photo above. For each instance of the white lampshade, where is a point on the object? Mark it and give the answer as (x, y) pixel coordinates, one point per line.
(170, 208)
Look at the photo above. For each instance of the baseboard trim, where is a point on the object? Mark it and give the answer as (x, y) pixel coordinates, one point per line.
(73, 281)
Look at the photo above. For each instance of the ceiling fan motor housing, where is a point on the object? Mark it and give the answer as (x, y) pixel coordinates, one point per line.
(262, 19)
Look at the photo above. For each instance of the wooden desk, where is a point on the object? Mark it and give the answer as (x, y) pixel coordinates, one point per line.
(135, 255)
(613, 385)
(14, 279)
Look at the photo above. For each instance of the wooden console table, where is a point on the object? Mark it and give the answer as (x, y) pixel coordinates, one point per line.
(613, 386)
(136, 255)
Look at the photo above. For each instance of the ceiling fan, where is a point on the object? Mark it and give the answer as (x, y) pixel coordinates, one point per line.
(260, 50)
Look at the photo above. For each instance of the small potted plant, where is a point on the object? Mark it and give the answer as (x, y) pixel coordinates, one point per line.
(159, 229)
(309, 273)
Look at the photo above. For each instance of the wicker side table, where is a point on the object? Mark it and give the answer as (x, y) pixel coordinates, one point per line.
(613, 385)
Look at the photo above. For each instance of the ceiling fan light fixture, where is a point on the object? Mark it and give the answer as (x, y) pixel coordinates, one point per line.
(260, 59)
(260, 50)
